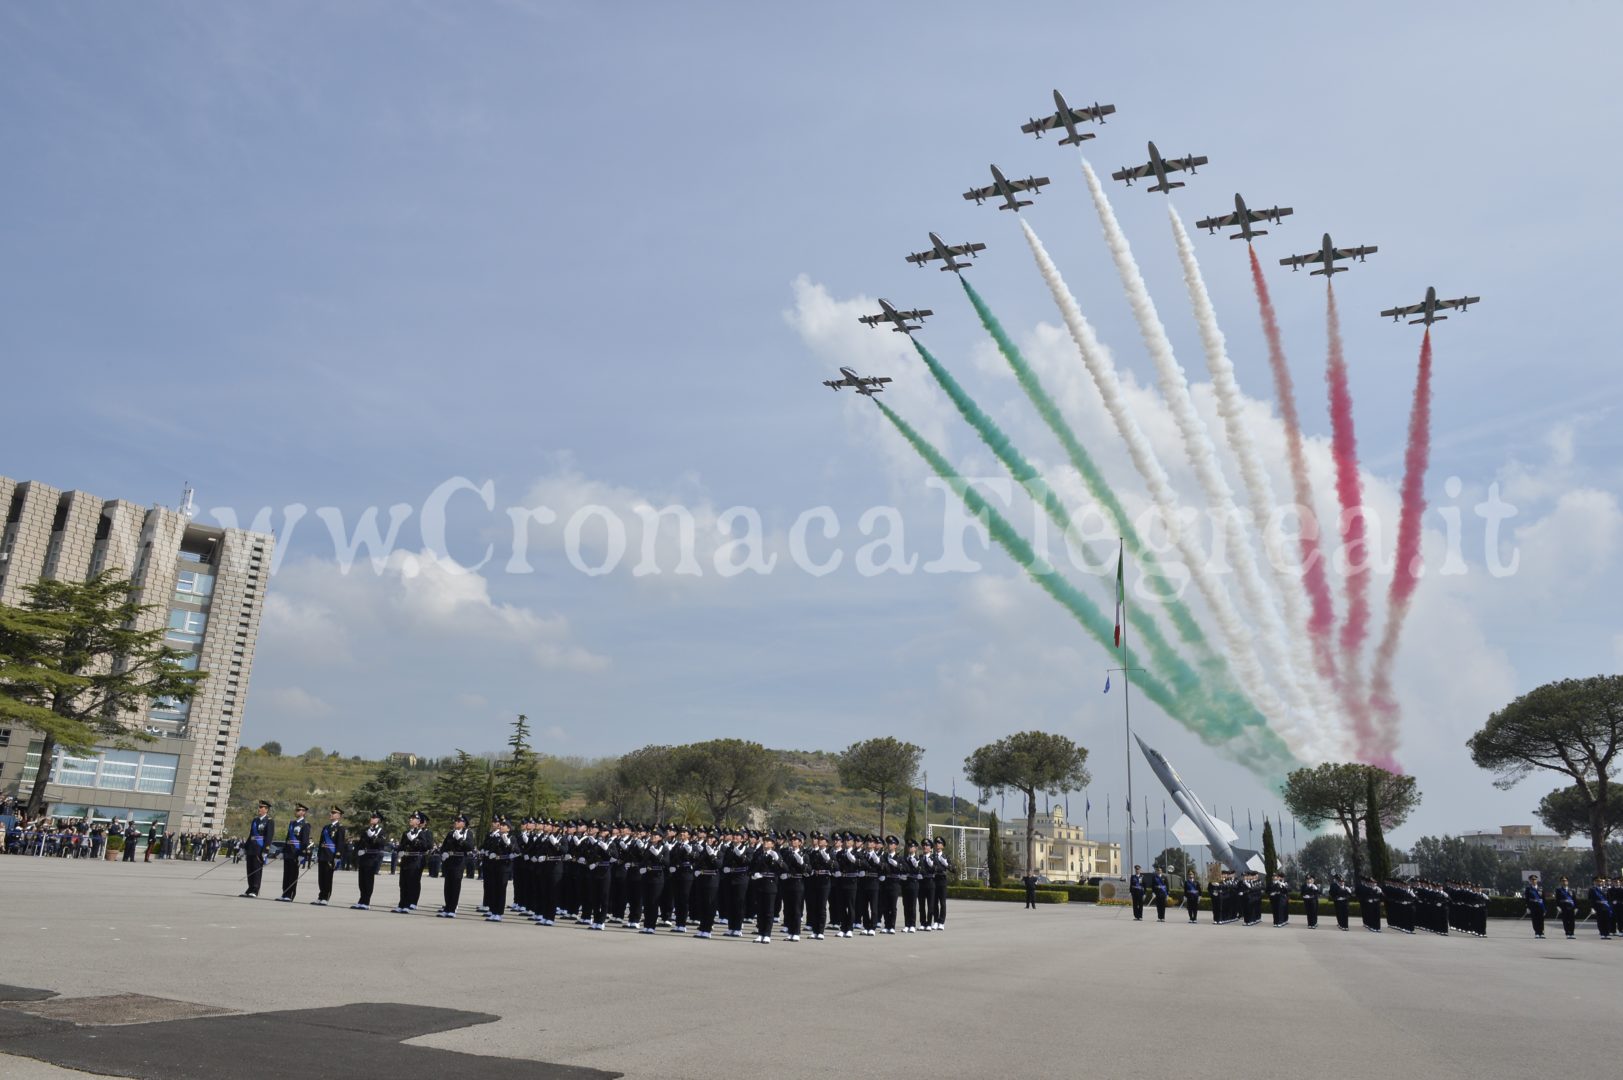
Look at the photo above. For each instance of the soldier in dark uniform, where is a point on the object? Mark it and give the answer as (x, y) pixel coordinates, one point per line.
(1135, 888)
(792, 886)
(369, 859)
(679, 880)
(1310, 901)
(457, 847)
(909, 888)
(706, 858)
(1600, 906)
(294, 845)
(1191, 894)
(873, 868)
(1219, 889)
(548, 871)
(1341, 896)
(943, 871)
(1159, 888)
(892, 867)
(1533, 901)
(654, 862)
(735, 875)
(847, 871)
(260, 830)
(1369, 904)
(1030, 882)
(415, 844)
(820, 867)
(332, 847)
(1566, 905)
(1279, 899)
(765, 867)
(496, 858)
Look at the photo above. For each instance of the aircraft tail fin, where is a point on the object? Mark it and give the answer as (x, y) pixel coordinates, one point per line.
(1328, 270)
(1081, 137)
(1434, 318)
(1254, 232)
(1249, 859)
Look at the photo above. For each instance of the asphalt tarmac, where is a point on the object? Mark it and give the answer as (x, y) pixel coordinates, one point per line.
(197, 982)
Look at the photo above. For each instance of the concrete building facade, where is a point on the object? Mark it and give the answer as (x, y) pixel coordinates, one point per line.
(1518, 839)
(1063, 851)
(205, 586)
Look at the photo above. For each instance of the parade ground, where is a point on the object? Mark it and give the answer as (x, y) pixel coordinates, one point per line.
(148, 970)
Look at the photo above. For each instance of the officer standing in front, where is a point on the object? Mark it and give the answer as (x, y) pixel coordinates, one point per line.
(457, 848)
(296, 843)
(1135, 888)
(1533, 898)
(415, 844)
(1030, 882)
(259, 834)
(1191, 894)
(333, 844)
(1310, 901)
(1158, 890)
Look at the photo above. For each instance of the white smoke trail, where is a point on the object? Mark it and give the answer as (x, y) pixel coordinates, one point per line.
(1259, 494)
(1096, 358)
(1202, 456)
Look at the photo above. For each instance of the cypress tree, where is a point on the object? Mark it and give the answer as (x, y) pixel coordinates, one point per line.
(994, 853)
(1380, 858)
(911, 832)
(1270, 857)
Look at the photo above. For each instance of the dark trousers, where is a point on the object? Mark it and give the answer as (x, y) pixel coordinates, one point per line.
(1312, 909)
(1603, 921)
(1160, 907)
(703, 899)
(910, 903)
(1191, 901)
(653, 891)
(1138, 903)
(1371, 910)
(453, 882)
(870, 903)
(679, 887)
(792, 894)
(129, 851)
(290, 874)
(734, 886)
(1031, 896)
(938, 900)
(1569, 922)
(817, 903)
(845, 904)
(367, 873)
(255, 855)
(495, 871)
(766, 901)
(889, 892)
(411, 879)
(324, 870)
(597, 894)
(1342, 907)
(546, 888)
(618, 898)
(633, 895)
(1281, 909)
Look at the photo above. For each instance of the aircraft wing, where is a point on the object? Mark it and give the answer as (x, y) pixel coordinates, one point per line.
(1399, 312)
(1187, 831)
(985, 192)
(965, 249)
(1462, 302)
(921, 257)
(1133, 172)
(1047, 123)
(872, 320)
(835, 383)
(1302, 260)
(874, 380)
(916, 313)
(1224, 222)
(1030, 183)
(1357, 252)
(1184, 163)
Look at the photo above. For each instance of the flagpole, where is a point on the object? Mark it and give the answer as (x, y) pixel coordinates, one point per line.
(1126, 690)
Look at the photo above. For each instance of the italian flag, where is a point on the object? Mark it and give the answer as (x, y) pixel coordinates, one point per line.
(1121, 596)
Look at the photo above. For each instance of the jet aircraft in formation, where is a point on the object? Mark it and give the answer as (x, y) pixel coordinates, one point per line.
(947, 253)
(1327, 254)
(1244, 217)
(1427, 309)
(1158, 167)
(1006, 190)
(866, 385)
(898, 319)
(1067, 118)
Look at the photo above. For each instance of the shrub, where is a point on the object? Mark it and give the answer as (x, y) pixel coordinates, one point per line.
(971, 892)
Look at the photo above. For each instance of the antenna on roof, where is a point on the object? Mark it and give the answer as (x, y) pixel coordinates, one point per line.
(188, 507)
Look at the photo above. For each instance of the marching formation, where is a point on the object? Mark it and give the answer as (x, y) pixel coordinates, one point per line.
(641, 877)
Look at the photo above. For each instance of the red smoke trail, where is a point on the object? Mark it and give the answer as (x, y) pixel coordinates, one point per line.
(1406, 572)
(1349, 491)
(1318, 587)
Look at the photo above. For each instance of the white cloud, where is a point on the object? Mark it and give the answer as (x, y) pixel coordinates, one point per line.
(294, 701)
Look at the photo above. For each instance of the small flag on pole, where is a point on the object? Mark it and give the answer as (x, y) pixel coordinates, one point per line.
(1107, 682)
(1130, 812)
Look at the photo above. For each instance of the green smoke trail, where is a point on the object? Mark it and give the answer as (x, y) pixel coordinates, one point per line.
(1257, 749)
(1188, 629)
(1222, 691)
(1162, 655)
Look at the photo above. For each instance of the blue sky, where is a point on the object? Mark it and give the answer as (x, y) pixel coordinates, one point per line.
(337, 256)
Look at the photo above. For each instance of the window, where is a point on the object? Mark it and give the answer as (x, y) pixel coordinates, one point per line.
(186, 662)
(186, 626)
(194, 585)
(5, 736)
(165, 708)
(111, 770)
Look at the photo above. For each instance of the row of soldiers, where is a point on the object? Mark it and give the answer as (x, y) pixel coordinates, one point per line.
(1605, 901)
(604, 874)
(1419, 904)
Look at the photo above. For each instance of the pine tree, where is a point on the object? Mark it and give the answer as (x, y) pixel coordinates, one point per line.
(994, 853)
(912, 830)
(1380, 858)
(1270, 857)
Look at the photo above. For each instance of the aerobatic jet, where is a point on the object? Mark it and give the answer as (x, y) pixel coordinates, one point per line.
(1327, 254)
(1244, 217)
(948, 253)
(1158, 167)
(1006, 190)
(1427, 309)
(866, 385)
(899, 319)
(1068, 118)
